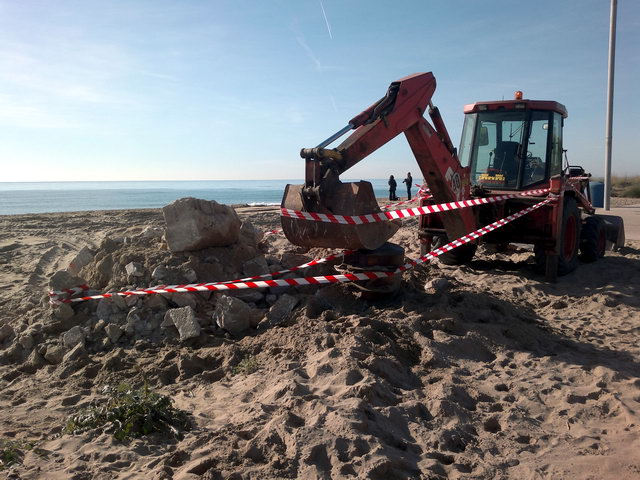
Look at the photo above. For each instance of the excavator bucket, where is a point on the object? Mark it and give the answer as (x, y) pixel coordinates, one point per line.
(356, 198)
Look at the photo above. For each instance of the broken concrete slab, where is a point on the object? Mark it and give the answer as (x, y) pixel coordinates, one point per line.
(234, 315)
(184, 319)
(195, 224)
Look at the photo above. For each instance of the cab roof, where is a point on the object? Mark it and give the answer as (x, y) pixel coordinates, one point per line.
(517, 105)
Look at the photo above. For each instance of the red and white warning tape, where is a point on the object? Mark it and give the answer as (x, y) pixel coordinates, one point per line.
(408, 212)
(319, 280)
(421, 194)
(69, 291)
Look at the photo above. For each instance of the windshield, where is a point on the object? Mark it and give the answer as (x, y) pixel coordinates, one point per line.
(495, 160)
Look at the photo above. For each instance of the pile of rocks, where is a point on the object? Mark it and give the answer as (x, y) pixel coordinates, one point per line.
(203, 242)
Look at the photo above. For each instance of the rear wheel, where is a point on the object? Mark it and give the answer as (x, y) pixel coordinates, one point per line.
(569, 240)
(458, 256)
(593, 239)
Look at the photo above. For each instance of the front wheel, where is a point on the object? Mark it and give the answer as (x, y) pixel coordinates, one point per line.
(569, 240)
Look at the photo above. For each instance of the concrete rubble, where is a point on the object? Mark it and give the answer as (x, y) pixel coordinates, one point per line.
(203, 242)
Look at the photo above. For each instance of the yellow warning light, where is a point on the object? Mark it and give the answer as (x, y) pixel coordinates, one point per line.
(518, 95)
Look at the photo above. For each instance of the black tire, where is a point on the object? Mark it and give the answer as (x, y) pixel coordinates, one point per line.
(458, 256)
(593, 239)
(569, 240)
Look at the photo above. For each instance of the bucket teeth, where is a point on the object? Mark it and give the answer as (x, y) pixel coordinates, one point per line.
(356, 198)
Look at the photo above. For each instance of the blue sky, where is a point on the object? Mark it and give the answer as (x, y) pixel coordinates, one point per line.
(180, 90)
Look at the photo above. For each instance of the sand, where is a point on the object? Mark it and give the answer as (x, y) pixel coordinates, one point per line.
(490, 374)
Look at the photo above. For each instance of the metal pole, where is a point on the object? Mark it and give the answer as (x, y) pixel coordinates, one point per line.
(608, 133)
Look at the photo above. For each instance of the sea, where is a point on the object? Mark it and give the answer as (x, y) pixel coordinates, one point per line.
(45, 197)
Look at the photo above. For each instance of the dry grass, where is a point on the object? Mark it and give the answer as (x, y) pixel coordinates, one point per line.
(623, 186)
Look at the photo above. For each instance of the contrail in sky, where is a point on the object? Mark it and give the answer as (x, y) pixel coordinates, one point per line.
(326, 20)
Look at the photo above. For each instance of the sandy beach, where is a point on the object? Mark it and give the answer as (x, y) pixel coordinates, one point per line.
(477, 372)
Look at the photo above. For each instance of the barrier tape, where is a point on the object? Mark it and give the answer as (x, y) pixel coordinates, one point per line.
(320, 280)
(408, 212)
(421, 194)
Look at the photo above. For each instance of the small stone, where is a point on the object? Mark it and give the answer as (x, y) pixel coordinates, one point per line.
(250, 235)
(103, 310)
(34, 362)
(271, 298)
(151, 232)
(256, 266)
(119, 302)
(234, 315)
(114, 332)
(5, 332)
(99, 325)
(131, 300)
(62, 280)
(290, 259)
(63, 311)
(249, 296)
(184, 299)
(190, 275)
(279, 310)
(54, 354)
(159, 273)
(75, 353)
(73, 337)
(155, 302)
(184, 320)
(133, 318)
(134, 269)
(559, 304)
(436, 285)
(26, 341)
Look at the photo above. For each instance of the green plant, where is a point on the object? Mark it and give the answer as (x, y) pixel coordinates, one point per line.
(130, 413)
(12, 451)
(247, 365)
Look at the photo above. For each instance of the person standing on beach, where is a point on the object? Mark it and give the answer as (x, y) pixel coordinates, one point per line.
(392, 188)
(408, 181)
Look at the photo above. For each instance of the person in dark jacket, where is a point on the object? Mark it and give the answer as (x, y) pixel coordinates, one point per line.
(409, 182)
(392, 188)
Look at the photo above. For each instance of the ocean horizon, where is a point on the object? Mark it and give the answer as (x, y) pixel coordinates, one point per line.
(49, 197)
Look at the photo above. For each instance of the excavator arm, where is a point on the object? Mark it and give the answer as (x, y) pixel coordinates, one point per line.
(401, 110)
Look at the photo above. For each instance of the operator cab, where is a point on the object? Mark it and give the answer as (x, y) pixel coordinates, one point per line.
(513, 144)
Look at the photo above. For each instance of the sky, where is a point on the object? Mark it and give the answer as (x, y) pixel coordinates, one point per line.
(208, 90)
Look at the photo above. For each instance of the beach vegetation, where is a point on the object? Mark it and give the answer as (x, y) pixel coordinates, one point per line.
(247, 366)
(128, 413)
(12, 452)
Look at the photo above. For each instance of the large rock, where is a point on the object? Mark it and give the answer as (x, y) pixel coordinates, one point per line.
(54, 354)
(83, 258)
(114, 332)
(195, 224)
(73, 337)
(184, 319)
(134, 269)
(256, 266)
(279, 310)
(234, 315)
(62, 280)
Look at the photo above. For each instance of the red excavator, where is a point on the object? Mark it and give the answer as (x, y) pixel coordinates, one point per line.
(507, 146)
